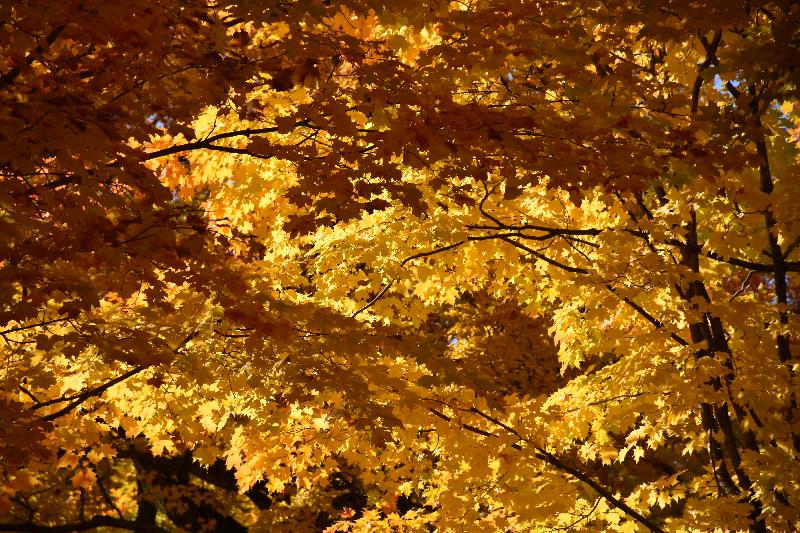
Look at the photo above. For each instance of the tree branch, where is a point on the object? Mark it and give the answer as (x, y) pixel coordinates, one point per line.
(403, 263)
(9, 77)
(647, 316)
(206, 145)
(81, 397)
(758, 267)
(743, 287)
(29, 326)
(554, 461)
(780, 266)
(85, 395)
(93, 523)
(711, 59)
(539, 255)
(208, 142)
(533, 227)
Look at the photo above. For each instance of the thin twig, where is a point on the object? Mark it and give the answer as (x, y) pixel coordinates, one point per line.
(743, 287)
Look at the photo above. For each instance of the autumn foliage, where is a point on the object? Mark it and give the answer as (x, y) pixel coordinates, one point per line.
(351, 265)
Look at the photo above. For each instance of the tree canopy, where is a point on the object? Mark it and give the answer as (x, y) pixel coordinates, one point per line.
(350, 265)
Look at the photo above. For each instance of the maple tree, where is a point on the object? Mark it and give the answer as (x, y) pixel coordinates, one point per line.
(356, 265)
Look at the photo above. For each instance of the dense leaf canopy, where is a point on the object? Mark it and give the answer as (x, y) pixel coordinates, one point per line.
(349, 265)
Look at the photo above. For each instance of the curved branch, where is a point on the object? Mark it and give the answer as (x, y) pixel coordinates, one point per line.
(374, 299)
(554, 461)
(502, 236)
(79, 398)
(206, 145)
(85, 395)
(403, 263)
(208, 142)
